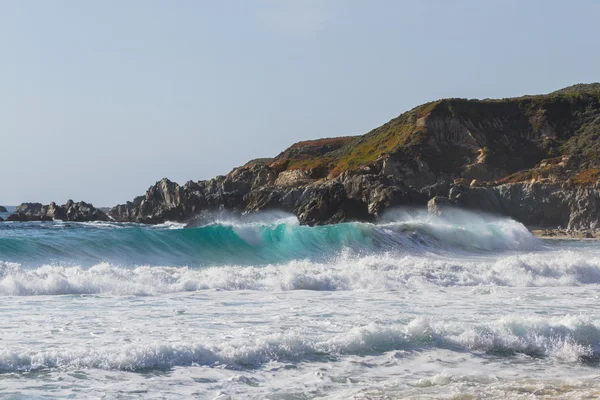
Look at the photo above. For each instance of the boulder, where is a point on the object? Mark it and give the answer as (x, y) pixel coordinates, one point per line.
(80, 212)
(29, 209)
(54, 211)
(327, 204)
(440, 206)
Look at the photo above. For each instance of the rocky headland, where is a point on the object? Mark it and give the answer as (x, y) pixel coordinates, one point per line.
(534, 158)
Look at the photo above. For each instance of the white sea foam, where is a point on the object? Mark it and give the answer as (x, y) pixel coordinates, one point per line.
(262, 218)
(565, 339)
(409, 308)
(169, 225)
(375, 272)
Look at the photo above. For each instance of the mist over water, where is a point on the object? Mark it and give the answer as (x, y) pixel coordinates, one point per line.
(263, 307)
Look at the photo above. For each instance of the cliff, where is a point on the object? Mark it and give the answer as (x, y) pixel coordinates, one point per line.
(534, 158)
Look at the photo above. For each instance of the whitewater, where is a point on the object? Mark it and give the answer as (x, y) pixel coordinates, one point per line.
(414, 306)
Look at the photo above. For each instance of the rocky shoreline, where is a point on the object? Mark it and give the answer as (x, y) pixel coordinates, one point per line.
(70, 211)
(361, 197)
(566, 234)
(535, 159)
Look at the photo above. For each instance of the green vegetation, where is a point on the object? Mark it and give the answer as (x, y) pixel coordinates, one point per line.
(579, 89)
(310, 155)
(545, 172)
(512, 135)
(587, 177)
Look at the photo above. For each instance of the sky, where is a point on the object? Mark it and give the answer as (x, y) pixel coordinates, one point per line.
(99, 100)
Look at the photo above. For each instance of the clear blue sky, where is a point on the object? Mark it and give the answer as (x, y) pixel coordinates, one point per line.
(98, 100)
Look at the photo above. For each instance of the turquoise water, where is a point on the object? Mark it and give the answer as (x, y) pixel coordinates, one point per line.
(87, 244)
(237, 243)
(410, 307)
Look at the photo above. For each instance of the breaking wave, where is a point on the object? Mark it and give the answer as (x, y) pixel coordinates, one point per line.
(385, 272)
(564, 339)
(258, 243)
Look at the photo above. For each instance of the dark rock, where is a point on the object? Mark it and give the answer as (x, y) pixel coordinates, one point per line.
(22, 217)
(3, 209)
(537, 204)
(71, 211)
(81, 212)
(489, 156)
(54, 211)
(29, 209)
(357, 196)
(327, 204)
(440, 188)
(167, 201)
(440, 206)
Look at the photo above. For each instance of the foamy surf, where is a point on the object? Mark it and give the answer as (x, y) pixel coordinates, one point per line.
(384, 272)
(567, 339)
(409, 306)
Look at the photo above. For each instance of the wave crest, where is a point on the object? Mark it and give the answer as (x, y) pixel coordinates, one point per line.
(256, 243)
(347, 272)
(565, 339)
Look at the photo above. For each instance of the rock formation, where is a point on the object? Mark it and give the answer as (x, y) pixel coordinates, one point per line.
(533, 158)
(71, 211)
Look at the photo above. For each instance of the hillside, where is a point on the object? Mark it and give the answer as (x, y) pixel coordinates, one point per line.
(533, 158)
(486, 140)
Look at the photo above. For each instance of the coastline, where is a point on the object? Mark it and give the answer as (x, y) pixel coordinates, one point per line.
(556, 233)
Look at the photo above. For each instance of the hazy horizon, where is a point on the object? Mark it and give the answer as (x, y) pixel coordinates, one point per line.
(101, 100)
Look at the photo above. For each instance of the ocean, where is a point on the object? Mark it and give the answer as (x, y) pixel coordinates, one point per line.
(263, 308)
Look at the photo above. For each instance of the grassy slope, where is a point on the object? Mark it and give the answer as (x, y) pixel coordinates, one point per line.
(511, 132)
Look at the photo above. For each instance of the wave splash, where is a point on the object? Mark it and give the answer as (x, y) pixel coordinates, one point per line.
(565, 339)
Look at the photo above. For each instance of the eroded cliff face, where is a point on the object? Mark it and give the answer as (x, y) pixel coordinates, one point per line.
(364, 197)
(535, 158)
(252, 189)
(538, 204)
